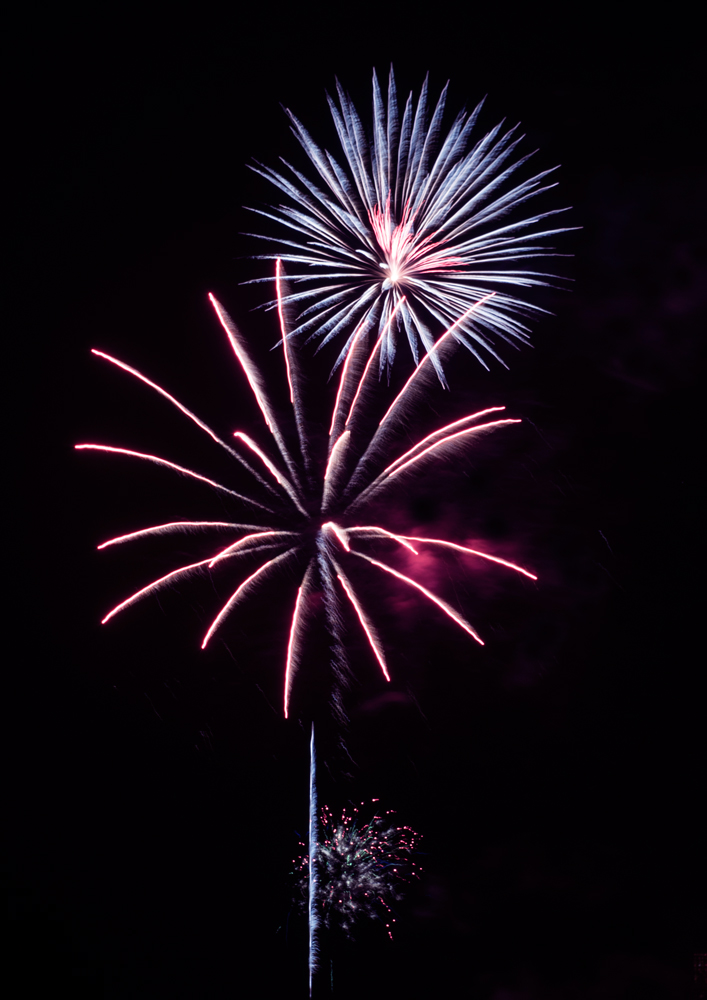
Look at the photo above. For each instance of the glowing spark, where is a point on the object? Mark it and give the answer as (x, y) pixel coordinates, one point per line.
(241, 543)
(290, 651)
(155, 585)
(373, 354)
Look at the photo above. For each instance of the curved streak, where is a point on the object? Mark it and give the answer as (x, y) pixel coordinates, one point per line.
(164, 529)
(472, 552)
(454, 615)
(171, 465)
(272, 469)
(232, 549)
(155, 585)
(362, 617)
(451, 437)
(235, 597)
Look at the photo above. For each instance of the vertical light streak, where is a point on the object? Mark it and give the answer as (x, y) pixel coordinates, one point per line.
(292, 645)
(312, 911)
(333, 467)
(358, 333)
(454, 615)
(290, 368)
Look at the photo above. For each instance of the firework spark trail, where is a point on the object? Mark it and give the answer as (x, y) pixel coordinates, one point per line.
(171, 465)
(176, 526)
(255, 380)
(291, 368)
(413, 212)
(322, 540)
(244, 588)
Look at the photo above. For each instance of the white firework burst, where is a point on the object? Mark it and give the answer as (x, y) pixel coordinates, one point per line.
(414, 225)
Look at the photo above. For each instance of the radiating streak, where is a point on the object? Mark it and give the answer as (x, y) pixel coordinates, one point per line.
(452, 437)
(237, 594)
(255, 381)
(428, 357)
(371, 357)
(272, 469)
(236, 547)
(341, 534)
(363, 618)
(173, 466)
(436, 435)
(473, 552)
(385, 477)
(334, 467)
(183, 409)
(155, 585)
(402, 539)
(173, 526)
(290, 367)
(448, 610)
(357, 334)
(292, 651)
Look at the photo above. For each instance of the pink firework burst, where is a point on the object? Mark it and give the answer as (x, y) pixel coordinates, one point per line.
(314, 522)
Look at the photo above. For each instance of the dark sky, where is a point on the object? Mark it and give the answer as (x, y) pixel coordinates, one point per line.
(557, 775)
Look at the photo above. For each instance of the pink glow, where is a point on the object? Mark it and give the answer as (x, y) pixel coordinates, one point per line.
(429, 354)
(448, 439)
(291, 648)
(235, 546)
(283, 331)
(235, 597)
(372, 356)
(155, 585)
(402, 539)
(454, 615)
(162, 392)
(365, 623)
(169, 465)
(339, 532)
(164, 529)
(472, 552)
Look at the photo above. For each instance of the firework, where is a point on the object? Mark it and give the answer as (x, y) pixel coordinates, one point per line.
(311, 509)
(363, 868)
(411, 229)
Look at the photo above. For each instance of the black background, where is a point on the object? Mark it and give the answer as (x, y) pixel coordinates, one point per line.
(558, 775)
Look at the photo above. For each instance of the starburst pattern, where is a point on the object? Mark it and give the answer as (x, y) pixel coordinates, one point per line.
(411, 228)
(363, 868)
(311, 509)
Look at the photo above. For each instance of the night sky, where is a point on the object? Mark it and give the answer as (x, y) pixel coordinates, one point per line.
(557, 775)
